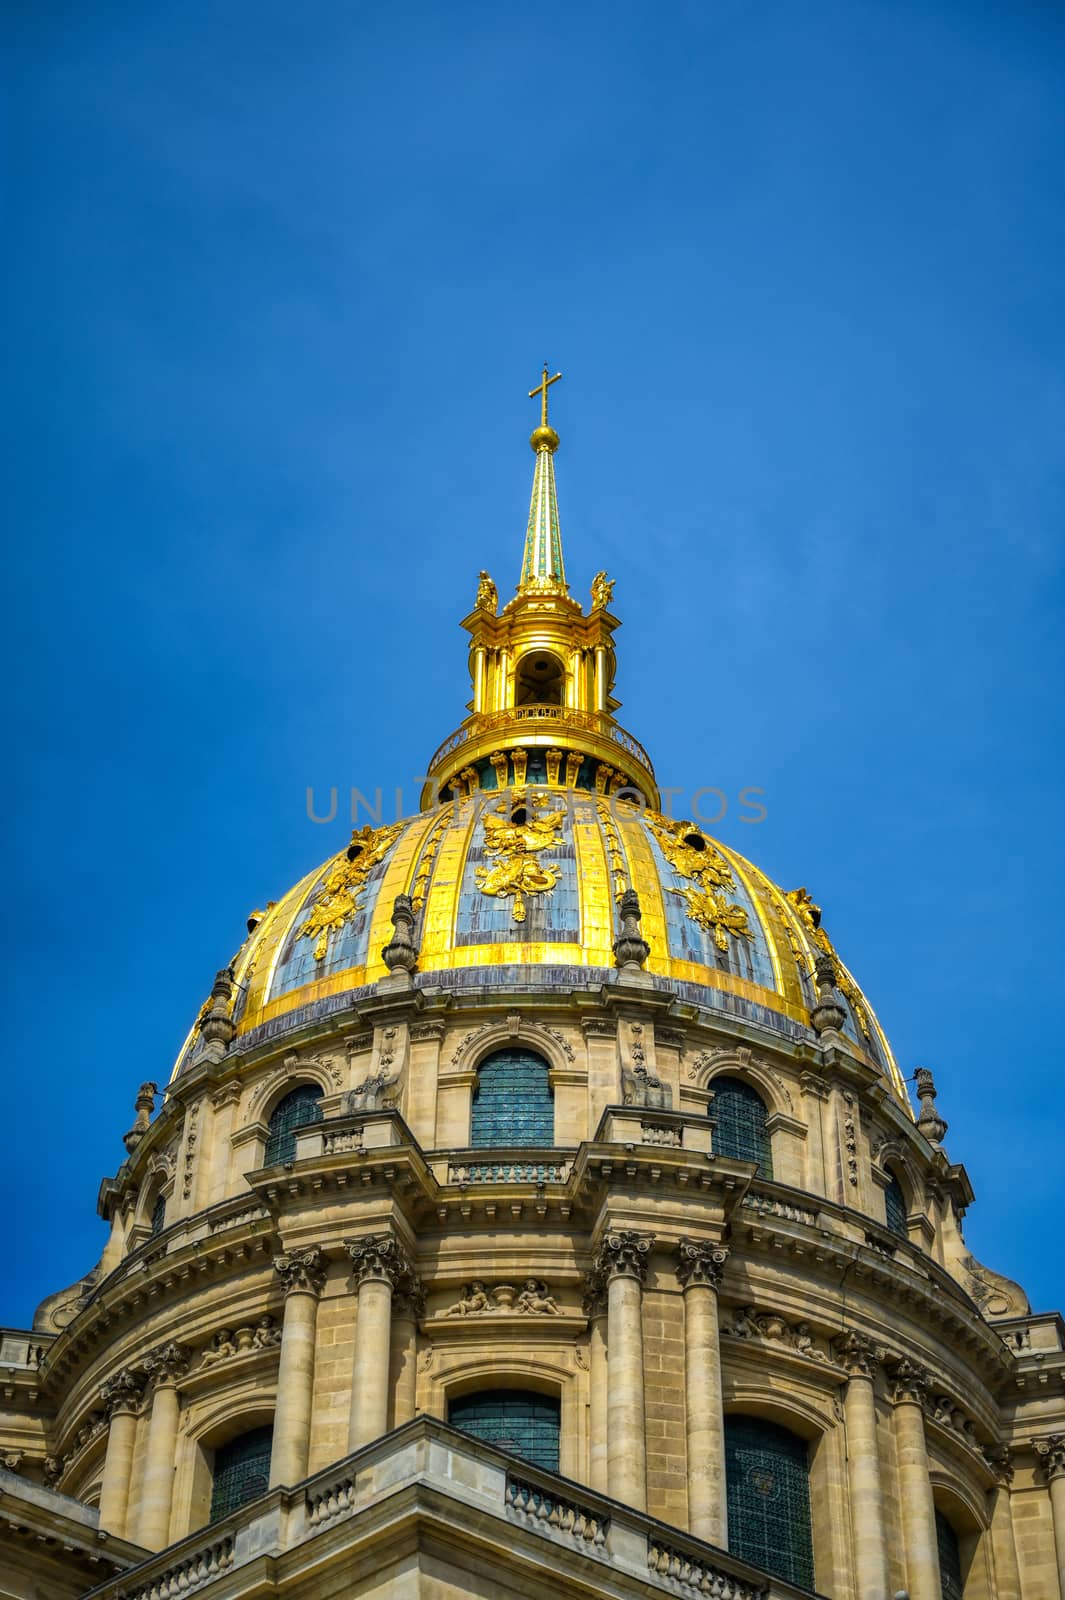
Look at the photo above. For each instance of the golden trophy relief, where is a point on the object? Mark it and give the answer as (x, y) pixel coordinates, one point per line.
(512, 838)
(710, 909)
(338, 898)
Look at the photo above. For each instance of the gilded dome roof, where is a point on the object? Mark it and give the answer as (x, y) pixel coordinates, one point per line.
(538, 815)
(517, 889)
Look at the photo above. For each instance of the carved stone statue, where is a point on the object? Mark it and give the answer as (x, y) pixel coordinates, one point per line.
(267, 1333)
(220, 1349)
(535, 1299)
(474, 1300)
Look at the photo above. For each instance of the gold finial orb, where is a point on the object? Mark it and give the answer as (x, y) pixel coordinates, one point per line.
(544, 438)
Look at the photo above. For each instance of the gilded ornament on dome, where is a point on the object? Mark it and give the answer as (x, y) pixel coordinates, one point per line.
(513, 837)
(338, 899)
(692, 855)
(721, 917)
(802, 902)
(487, 594)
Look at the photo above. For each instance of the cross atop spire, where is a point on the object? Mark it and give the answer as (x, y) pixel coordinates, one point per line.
(542, 566)
(541, 390)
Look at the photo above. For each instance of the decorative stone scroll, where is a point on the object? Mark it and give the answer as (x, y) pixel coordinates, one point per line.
(1050, 1453)
(909, 1382)
(302, 1271)
(123, 1391)
(380, 1256)
(857, 1354)
(168, 1363)
(625, 1254)
(700, 1262)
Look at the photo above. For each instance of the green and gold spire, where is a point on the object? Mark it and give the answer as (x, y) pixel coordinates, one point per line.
(541, 673)
(542, 566)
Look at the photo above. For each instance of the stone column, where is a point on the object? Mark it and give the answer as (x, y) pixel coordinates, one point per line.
(303, 1274)
(379, 1265)
(910, 1384)
(598, 1382)
(622, 1264)
(855, 1352)
(1051, 1454)
(700, 1264)
(164, 1368)
(121, 1397)
(1003, 1542)
(407, 1307)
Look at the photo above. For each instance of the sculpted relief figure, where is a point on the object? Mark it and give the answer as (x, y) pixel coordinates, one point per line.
(474, 1299)
(535, 1298)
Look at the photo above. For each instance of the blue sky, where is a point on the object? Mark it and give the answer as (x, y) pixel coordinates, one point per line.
(280, 278)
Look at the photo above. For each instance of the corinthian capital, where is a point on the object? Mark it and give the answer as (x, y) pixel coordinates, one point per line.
(168, 1363)
(700, 1263)
(379, 1256)
(124, 1390)
(1051, 1453)
(301, 1271)
(857, 1354)
(623, 1255)
(909, 1382)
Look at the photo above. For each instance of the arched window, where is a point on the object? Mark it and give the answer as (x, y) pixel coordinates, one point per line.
(296, 1110)
(512, 1103)
(538, 680)
(768, 1495)
(740, 1132)
(518, 1420)
(241, 1471)
(158, 1218)
(951, 1583)
(895, 1208)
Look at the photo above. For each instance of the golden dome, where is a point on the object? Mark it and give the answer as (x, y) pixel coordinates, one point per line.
(539, 813)
(517, 890)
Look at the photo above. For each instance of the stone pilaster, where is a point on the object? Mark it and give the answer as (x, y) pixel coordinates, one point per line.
(598, 1381)
(121, 1398)
(164, 1368)
(857, 1355)
(700, 1265)
(621, 1264)
(1003, 1540)
(1050, 1452)
(910, 1391)
(379, 1265)
(302, 1273)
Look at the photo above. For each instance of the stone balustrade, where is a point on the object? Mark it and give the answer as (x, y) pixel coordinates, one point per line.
(526, 1513)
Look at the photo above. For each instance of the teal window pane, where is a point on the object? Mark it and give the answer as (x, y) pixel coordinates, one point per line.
(525, 1423)
(512, 1103)
(739, 1116)
(158, 1222)
(241, 1471)
(296, 1110)
(896, 1209)
(768, 1496)
(951, 1584)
